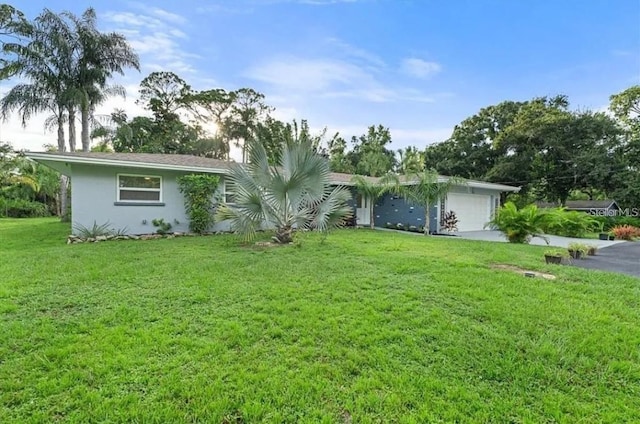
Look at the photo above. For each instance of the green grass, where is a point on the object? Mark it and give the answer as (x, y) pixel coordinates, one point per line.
(365, 327)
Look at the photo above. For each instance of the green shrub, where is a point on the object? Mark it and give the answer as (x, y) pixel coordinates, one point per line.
(609, 222)
(562, 222)
(22, 208)
(162, 226)
(520, 225)
(198, 191)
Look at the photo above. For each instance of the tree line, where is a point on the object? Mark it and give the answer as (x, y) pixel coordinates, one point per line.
(66, 67)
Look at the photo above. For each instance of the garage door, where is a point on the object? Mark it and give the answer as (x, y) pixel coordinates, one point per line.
(472, 210)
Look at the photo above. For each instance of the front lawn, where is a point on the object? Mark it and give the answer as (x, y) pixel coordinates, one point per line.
(365, 327)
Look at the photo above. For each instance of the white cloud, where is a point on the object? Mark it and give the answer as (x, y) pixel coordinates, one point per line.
(622, 53)
(420, 68)
(307, 75)
(329, 78)
(168, 16)
(156, 37)
(354, 52)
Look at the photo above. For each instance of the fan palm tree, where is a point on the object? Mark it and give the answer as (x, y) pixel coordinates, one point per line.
(425, 189)
(295, 194)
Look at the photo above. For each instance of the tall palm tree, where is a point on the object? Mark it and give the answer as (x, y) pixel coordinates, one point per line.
(44, 60)
(425, 189)
(295, 194)
(99, 57)
(40, 61)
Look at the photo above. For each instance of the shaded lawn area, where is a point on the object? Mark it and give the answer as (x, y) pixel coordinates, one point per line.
(365, 327)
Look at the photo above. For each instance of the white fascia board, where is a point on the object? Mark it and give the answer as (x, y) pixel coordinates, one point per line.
(122, 163)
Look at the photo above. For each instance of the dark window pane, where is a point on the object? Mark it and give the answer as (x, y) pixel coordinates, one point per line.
(229, 198)
(140, 195)
(139, 182)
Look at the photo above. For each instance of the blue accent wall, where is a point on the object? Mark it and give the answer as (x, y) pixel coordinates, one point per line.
(396, 210)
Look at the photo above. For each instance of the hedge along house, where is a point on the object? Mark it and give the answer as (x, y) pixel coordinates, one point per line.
(130, 190)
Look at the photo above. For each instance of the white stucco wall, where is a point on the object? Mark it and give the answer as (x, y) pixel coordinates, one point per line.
(94, 198)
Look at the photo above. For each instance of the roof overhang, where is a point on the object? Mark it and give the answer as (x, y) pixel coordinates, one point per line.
(474, 184)
(62, 164)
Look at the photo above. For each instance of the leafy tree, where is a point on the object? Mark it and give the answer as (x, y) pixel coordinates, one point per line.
(165, 94)
(626, 105)
(370, 156)
(338, 156)
(296, 194)
(27, 182)
(247, 110)
(471, 151)
(411, 160)
(426, 189)
(274, 135)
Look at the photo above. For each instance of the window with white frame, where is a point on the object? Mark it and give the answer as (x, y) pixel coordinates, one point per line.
(139, 188)
(229, 198)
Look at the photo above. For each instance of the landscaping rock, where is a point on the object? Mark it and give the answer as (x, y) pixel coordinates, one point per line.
(101, 238)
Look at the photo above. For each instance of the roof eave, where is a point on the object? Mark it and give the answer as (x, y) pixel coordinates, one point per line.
(44, 157)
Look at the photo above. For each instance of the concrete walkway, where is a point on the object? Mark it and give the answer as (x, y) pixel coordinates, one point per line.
(555, 241)
(497, 236)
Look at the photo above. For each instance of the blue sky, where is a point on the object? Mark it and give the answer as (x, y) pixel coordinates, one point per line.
(416, 66)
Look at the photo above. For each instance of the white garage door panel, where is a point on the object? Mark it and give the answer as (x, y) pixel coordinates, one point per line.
(472, 210)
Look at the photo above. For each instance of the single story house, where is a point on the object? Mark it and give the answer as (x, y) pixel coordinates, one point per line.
(130, 190)
(593, 207)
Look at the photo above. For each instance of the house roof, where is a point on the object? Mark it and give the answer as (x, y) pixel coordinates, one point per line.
(61, 161)
(591, 204)
(582, 204)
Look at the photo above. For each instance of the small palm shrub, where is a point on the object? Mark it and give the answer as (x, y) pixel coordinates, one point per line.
(520, 225)
(562, 222)
(94, 231)
(296, 194)
(626, 232)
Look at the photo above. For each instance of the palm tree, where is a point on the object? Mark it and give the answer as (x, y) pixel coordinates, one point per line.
(296, 194)
(44, 60)
(99, 57)
(373, 189)
(425, 189)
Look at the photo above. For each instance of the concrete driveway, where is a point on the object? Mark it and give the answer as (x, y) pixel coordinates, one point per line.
(555, 241)
(623, 257)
